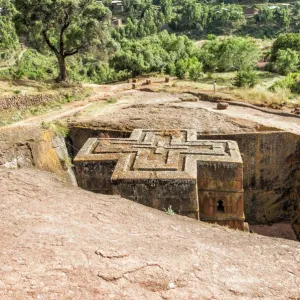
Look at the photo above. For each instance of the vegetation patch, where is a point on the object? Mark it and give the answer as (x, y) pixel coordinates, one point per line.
(56, 127)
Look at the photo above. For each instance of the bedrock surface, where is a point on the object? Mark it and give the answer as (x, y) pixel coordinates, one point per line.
(60, 242)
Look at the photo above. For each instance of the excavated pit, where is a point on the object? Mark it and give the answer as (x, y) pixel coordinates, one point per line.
(271, 175)
(271, 168)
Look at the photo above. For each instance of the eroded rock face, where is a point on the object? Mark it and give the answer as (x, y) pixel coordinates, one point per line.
(271, 174)
(168, 169)
(294, 162)
(16, 148)
(31, 146)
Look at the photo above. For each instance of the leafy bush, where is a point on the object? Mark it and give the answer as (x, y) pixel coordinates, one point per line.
(9, 40)
(246, 78)
(181, 68)
(285, 41)
(287, 61)
(56, 127)
(202, 17)
(90, 69)
(196, 71)
(35, 66)
(290, 82)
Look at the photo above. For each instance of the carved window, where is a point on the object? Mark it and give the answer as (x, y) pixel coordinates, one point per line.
(220, 207)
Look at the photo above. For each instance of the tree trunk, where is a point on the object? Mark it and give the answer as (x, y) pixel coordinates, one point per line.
(62, 68)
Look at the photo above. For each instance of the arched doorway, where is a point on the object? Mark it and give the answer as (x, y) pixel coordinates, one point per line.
(221, 206)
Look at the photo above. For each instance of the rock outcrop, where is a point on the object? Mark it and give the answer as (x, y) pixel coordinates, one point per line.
(60, 242)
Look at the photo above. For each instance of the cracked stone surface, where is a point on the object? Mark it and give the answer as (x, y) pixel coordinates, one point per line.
(60, 242)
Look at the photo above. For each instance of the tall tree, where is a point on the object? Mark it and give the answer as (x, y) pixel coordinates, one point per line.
(8, 36)
(167, 9)
(66, 27)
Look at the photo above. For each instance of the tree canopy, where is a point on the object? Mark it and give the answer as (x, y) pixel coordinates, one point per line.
(163, 52)
(284, 42)
(8, 36)
(230, 54)
(65, 27)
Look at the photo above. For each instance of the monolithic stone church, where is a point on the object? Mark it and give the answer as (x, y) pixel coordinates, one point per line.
(201, 179)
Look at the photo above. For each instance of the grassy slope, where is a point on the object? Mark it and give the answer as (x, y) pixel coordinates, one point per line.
(33, 88)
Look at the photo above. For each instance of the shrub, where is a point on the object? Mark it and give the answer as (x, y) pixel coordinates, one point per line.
(196, 71)
(290, 82)
(112, 100)
(56, 127)
(287, 61)
(230, 54)
(246, 78)
(34, 66)
(284, 42)
(181, 68)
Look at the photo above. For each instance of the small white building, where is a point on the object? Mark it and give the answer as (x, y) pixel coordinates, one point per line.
(117, 5)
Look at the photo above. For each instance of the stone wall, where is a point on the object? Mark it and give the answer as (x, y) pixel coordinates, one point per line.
(96, 177)
(221, 184)
(294, 192)
(23, 102)
(271, 174)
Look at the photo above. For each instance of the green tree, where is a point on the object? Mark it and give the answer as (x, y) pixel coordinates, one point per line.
(167, 9)
(182, 67)
(155, 53)
(237, 52)
(189, 15)
(209, 55)
(274, 20)
(283, 42)
(66, 27)
(230, 54)
(8, 37)
(290, 82)
(287, 61)
(226, 18)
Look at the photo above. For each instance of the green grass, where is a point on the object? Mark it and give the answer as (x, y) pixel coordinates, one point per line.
(170, 211)
(112, 100)
(57, 127)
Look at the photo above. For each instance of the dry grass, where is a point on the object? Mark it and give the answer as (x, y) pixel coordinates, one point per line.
(30, 87)
(259, 96)
(10, 88)
(65, 95)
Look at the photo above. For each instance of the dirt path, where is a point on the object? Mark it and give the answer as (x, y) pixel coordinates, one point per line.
(99, 95)
(66, 111)
(60, 242)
